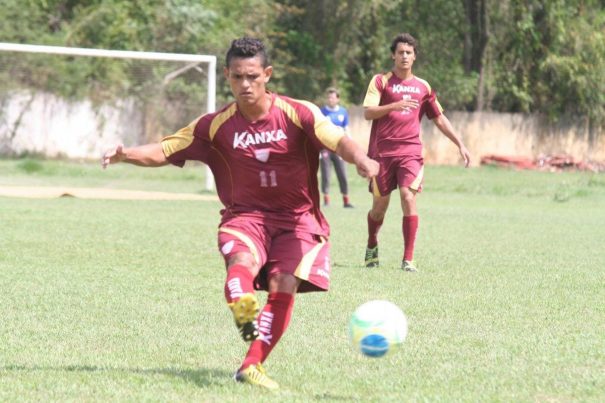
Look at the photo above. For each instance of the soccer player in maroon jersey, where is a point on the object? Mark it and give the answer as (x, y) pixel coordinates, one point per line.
(395, 103)
(263, 150)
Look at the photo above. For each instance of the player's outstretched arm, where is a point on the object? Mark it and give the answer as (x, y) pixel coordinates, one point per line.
(444, 125)
(351, 152)
(149, 155)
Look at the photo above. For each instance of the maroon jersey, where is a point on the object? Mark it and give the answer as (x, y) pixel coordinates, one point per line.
(267, 169)
(398, 133)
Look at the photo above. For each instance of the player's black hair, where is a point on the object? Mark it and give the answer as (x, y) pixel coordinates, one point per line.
(404, 38)
(247, 47)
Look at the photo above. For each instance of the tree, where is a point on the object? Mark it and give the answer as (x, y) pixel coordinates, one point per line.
(475, 42)
(531, 56)
(551, 58)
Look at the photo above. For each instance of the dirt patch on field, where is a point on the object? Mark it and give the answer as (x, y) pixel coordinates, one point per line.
(47, 192)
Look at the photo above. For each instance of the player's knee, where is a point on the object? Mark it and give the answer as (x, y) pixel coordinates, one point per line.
(242, 259)
(408, 205)
(379, 208)
(377, 214)
(409, 199)
(283, 282)
(408, 196)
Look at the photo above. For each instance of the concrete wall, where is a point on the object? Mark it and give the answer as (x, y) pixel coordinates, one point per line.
(46, 125)
(50, 126)
(508, 134)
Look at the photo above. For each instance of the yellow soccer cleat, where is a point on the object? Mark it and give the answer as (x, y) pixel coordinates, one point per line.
(256, 375)
(245, 310)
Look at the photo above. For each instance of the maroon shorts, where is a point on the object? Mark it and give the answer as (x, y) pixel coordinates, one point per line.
(397, 172)
(304, 255)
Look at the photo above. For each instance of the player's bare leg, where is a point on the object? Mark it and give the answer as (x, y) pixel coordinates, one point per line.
(273, 322)
(409, 227)
(408, 201)
(239, 292)
(380, 204)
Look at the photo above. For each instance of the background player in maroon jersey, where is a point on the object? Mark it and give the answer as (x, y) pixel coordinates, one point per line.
(396, 102)
(263, 150)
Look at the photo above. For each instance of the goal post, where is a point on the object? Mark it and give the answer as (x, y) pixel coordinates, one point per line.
(193, 61)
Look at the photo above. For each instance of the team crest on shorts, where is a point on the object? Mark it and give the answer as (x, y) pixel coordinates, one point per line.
(227, 247)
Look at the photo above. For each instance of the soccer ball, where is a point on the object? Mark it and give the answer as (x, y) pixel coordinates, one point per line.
(377, 327)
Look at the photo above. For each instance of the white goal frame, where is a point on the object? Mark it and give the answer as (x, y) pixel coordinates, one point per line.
(125, 54)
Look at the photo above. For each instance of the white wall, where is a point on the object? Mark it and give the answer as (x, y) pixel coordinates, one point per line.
(49, 126)
(508, 134)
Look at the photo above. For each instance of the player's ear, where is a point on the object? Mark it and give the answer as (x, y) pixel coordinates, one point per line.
(268, 73)
(226, 72)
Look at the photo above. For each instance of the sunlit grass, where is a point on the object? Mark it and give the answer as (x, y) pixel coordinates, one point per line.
(122, 300)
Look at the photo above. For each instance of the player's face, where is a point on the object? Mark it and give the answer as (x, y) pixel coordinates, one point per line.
(247, 79)
(404, 56)
(332, 100)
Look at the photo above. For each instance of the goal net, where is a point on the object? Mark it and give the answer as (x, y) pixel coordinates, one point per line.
(77, 102)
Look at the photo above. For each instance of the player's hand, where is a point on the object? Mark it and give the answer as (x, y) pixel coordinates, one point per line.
(368, 168)
(466, 156)
(405, 104)
(113, 156)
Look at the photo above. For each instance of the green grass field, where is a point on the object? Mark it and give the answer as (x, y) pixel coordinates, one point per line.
(122, 300)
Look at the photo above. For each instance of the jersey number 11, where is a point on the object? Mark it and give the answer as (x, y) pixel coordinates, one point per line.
(269, 180)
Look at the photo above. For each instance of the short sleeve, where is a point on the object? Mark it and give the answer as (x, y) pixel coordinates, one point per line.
(319, 126)
(433, 107)
(374, 92)
(189, 143)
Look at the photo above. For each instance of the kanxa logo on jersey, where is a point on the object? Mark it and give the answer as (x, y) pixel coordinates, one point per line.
(246, 138)
(398, 88)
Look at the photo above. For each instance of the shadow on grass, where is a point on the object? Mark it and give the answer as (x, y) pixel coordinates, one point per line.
(200, 377)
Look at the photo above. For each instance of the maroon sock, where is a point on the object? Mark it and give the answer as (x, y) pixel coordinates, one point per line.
(345, 199)
(373, 228)
(272, 323)
(410, 227)
(239, 281)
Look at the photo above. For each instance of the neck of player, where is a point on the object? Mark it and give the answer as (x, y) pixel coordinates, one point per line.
(256, 110)
(404, 74)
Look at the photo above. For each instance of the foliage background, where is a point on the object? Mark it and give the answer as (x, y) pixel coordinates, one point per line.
(530, 56)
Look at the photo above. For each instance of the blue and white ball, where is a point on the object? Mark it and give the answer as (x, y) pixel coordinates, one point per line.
(377, 327)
